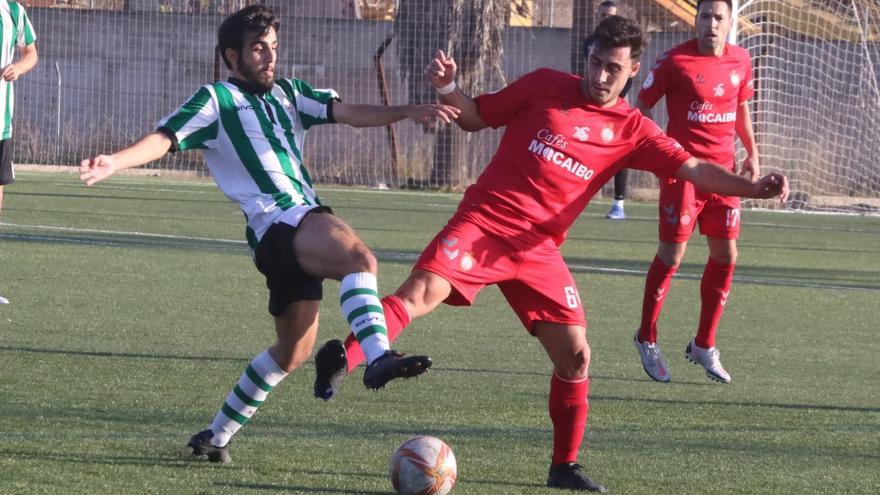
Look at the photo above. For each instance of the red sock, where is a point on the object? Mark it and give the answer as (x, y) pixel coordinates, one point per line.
(714, 289)
(656, 288)
(568, 410)
(396, 319)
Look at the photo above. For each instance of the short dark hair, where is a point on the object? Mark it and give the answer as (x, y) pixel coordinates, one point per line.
(607, 3)
(728, 2)
(616, 32)
(251, 19)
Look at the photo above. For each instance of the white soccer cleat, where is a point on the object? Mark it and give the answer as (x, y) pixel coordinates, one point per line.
(652, 359)
(709, 359)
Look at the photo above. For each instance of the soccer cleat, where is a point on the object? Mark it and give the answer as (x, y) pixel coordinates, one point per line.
(652, 360)
(331, 366)
(571, 476)
(709, 359)
(201, 445)
(616, 213)
(393, 365)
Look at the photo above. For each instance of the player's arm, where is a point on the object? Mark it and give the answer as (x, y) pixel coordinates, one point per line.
(358, 115)
(647, 111)
(27, 60)
(150, 147)
(441, 72)
(751, 167)
(715, 179)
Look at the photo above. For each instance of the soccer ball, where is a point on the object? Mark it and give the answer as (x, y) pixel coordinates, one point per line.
(423, 465)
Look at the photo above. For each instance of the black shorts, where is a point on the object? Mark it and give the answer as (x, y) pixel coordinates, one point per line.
(285, 278)
(7, 175)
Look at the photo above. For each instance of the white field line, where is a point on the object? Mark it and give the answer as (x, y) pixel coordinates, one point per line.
(407, 256)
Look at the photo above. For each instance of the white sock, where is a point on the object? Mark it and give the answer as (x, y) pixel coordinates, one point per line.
(359, 297)
(618, 202)
(258, 379)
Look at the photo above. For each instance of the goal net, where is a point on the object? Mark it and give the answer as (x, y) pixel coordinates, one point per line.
(110, 69)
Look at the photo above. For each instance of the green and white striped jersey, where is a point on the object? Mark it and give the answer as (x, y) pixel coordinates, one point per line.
(253, 144)
(17, 31)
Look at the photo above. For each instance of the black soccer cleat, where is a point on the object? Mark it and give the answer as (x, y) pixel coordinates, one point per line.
(393, 365)
(201, 445)
(331, 366)
(571, 476)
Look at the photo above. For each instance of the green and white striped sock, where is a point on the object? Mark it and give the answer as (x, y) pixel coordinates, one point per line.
(258, 379)
(359, 298)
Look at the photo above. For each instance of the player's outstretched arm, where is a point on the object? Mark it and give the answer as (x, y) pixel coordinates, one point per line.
(441, 71)
(357, 115)
(150, 147)
(715, 179)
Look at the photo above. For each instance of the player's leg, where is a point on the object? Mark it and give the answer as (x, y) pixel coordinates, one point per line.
(677, 210)
(7, 173)
(296, 330)
(546, 300)
(451, 269)
(420, 294)
(617, 212)
(568, 405)
(720, 223)
(328, 247)
(294, 299)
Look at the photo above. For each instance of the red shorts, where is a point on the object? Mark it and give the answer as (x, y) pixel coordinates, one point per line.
(535, 280)
(682, 205)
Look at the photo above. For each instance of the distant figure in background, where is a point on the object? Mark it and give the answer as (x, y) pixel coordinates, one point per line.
(605, 9)
(17, 27)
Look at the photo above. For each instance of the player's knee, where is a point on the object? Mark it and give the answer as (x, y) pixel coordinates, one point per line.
(576, 366)
(362, 260)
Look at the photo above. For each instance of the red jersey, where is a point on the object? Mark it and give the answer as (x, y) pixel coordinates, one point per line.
(557, 151)
(702, 95)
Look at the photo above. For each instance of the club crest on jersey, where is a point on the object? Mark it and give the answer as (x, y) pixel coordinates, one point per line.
(734, 78)
(719, 90)
(467, 262)
(608, 133)
(649, 81)
(686, 218)
(581, 133)
(700, 79)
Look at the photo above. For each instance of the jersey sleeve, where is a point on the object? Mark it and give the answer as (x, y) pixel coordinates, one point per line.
(657, 82)
(747, 85)
(656, 152)
(496, 109)
(195, 124)
(313, 106)
(25, 29)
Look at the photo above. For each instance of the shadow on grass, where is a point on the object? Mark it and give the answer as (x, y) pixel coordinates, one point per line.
(775, 405)
(109, 460)
(286, 488)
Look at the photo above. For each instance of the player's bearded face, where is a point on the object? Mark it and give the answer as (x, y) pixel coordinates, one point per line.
(256, 65)
(713, 24)
(607, 72)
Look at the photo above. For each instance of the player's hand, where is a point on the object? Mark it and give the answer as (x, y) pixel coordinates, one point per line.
(441, 70)
(9, 73)
(96, 169)
(429, 115)
(751, 168)
(772, 185)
